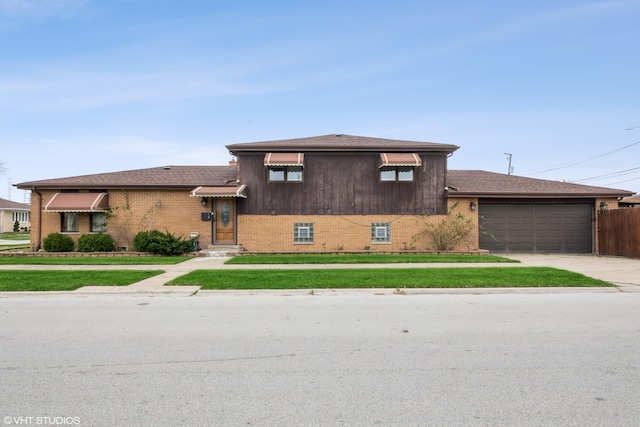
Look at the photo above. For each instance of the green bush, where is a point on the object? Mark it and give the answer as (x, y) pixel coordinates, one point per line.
(143, 240)
(56, 242)
(96, 243)
(161, 243)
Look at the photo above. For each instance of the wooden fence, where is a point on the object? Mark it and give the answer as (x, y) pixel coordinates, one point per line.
(619, 232)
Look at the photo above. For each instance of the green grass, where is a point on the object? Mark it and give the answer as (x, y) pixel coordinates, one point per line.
(46, 280)
(362, 258)
(471, 277)
(15, 236)
(101, 260)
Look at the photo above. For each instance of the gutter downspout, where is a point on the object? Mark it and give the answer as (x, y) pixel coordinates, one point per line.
(39, 235)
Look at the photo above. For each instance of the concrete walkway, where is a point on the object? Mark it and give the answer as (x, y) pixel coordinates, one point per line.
(623, 272)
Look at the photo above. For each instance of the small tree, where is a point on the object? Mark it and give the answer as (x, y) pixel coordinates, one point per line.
(446, 234)
(16, 226)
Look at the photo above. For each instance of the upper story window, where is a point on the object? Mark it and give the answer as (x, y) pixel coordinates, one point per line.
(396, 173)
(284, 167)
(398, 166)
(285, 173)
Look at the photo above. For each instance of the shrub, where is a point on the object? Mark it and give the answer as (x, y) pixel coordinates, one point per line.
(448, 233)
(16, 226)
(56, 242)
(143, 240)
(96, 243)
(161, 243)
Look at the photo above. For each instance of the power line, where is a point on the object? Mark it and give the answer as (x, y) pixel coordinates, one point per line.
(620, 182)
(593, 158)
(588, 160)
(609, 175)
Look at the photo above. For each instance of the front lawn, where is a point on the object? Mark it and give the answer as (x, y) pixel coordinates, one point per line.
(62, 280)
(360, 258)
(98, 260)
(470, 277)
(15, 236)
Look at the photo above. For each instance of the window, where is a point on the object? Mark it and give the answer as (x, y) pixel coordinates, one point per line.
(98, 222)
(380, 232)
(70, 222)
(21, 216)
(285, 173)
(303, 232)
(396, 173)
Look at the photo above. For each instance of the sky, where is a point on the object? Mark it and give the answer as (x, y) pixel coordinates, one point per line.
(95, 86)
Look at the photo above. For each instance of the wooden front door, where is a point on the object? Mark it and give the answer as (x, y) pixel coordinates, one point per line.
(225, 225)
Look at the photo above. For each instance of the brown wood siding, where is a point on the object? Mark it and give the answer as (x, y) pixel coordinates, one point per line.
(619, 232)
(343, 184)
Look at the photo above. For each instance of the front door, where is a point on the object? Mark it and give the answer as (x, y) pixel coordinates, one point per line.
(225, 221)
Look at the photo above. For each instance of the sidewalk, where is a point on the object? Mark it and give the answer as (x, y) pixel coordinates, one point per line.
(623, 272)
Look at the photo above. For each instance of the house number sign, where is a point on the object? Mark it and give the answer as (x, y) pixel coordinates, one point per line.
(225, 213)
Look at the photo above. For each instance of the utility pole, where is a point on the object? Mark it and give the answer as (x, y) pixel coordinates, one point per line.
(509, 155)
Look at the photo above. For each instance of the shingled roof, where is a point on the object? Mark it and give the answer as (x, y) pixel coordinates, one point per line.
(342, 143)
(159, 177)
(11, 205)
(478, 183)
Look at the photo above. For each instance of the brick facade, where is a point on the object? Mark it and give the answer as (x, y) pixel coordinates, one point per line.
(132, 211)
(346, 232)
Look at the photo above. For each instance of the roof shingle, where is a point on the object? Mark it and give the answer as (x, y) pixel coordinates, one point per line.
(163, 177)
(11, 205)
(342, 142)
(491, 184)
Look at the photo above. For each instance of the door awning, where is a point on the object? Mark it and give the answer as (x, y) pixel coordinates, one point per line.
(284, 159)
(78, 202)
(219, 191)
(400, 159)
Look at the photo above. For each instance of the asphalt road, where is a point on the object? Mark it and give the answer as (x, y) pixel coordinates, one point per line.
(244, 360)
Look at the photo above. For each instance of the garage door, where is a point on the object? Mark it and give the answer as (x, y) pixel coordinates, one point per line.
(544, 228)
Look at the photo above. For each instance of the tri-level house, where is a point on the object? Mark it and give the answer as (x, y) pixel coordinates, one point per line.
(324, 193)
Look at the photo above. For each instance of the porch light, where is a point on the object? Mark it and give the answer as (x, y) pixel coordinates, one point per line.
(203, 202)
(473, 206)
(603, 205)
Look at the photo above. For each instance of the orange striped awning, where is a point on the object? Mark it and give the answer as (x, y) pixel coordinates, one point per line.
(400, 159)
(284, 159)
(78, 202)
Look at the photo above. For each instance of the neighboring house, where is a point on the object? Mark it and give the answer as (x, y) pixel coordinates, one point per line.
(10, 212)
(630, 202)
(325, 193)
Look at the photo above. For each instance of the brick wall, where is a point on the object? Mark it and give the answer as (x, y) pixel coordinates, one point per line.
(344, 232)
(133, 211)
(175, 211)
